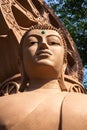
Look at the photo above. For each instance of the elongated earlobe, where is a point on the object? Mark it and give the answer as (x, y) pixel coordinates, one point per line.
(23, 75)
(61, 79)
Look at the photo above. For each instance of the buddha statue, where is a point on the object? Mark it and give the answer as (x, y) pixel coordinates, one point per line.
(43, 101)
(16, 18)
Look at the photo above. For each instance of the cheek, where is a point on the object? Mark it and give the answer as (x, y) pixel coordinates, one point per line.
(28, 59)
(29, 51)
(27, 56)
(58, 57)
(58, 53)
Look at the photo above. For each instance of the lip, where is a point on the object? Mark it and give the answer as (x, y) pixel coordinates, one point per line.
(44, 52)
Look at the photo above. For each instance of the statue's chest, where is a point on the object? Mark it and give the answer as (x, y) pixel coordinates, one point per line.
(39, 112)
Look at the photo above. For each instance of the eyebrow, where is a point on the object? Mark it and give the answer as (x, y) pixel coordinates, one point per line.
(55, 36)
(35, 35)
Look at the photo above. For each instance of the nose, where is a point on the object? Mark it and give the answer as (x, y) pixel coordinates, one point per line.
(44, 44)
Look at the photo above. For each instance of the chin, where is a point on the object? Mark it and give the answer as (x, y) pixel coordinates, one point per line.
(44, 62)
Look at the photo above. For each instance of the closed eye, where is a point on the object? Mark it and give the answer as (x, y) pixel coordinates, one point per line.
(54, 43)
(32, 43)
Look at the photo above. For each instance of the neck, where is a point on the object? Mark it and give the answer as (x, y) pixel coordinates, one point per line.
(44, 84)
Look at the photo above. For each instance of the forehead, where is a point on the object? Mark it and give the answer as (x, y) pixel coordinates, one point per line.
(43, 33)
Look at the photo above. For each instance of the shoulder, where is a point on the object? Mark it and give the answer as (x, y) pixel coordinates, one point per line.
(73, 85)
(74, 112)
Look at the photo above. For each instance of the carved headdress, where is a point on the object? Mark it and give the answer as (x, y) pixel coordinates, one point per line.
(16, 17)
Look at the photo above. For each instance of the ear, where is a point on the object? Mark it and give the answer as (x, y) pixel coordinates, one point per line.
(23, 75)
(61, 80)
(64, 68)
(21, 67)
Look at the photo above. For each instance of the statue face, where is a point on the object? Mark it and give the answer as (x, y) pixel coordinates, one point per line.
(42, 49)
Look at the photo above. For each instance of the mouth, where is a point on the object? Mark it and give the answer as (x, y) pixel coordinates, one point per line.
(44, 52)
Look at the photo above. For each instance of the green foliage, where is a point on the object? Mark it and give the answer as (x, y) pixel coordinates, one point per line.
(73, 14)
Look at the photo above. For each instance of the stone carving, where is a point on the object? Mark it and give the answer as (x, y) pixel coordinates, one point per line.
(42, 101)
(16, 17)
(43, 69)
